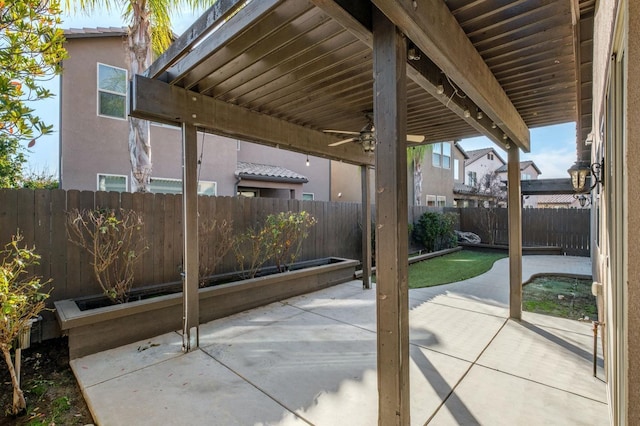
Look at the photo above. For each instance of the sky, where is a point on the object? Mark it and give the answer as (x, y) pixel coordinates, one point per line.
(553, 148)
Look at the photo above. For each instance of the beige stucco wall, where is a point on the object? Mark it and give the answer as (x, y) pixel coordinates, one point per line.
(632, 165)
(619, 271)
(92, 144)
(346, 184)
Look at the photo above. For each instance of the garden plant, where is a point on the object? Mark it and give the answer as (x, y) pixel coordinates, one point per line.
(114, 241)
(279, 240)
(22, 298)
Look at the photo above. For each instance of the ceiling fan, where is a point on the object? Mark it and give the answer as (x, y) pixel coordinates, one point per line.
(366, 136)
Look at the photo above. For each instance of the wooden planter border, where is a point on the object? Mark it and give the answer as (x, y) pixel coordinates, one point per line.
(96, 330)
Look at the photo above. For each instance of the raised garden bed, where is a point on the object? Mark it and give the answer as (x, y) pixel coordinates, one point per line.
(102, 328)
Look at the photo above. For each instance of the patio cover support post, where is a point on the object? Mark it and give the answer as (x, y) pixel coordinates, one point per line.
(366, 228)
(515, 233)
(190, 335)
(392, 297)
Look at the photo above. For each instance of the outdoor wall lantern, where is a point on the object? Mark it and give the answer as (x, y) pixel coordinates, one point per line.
(579, 172)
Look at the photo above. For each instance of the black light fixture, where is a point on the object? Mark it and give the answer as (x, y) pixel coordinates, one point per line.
(579, 172)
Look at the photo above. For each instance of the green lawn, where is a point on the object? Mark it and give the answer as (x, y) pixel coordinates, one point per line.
(450, 268)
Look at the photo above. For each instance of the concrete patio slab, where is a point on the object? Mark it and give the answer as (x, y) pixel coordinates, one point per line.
(312, 360)
(557, 358)
(187, 390)
(489, 397)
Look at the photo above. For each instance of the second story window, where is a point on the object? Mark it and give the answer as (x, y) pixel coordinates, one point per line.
(441, 155)
(472, 180)
(112, 91)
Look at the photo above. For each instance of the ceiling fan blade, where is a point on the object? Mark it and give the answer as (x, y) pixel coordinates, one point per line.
(342, 132)
(343, 141)
(415, 138)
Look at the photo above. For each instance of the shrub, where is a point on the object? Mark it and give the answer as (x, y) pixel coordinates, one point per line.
(286, 231)
(279, 239)
(222, 234)
(435, 231)
(113, 240)
(21, 300)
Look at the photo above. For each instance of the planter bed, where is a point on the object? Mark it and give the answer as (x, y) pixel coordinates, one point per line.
(99, 329)
(526, 250)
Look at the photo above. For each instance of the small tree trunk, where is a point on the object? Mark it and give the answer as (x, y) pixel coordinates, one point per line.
(19, 403)
(139, 55)
(417, 182)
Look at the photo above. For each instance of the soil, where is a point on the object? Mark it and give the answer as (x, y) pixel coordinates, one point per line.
(560, 296)
(50, 388)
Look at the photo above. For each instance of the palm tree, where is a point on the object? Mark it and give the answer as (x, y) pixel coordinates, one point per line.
(149, 32)
(415, 157)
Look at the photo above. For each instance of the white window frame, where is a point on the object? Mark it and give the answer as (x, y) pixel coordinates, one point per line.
(443, 156)
(126, 181)
(432, 199)
(456, 169)
(441, 201)
(436, 154)
(126, 93)
(469, 181)
(313, 197)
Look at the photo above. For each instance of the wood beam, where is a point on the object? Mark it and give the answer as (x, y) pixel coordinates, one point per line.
(160, 102)
(209, 20)
(514, 201)
(392, 307)
(191, 312)
(435, 31)
(423, 71)
(366, 228)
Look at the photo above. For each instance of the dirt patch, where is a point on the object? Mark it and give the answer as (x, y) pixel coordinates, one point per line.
(560, 296)
(50, 388)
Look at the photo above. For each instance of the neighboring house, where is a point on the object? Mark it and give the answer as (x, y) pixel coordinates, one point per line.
(528, 171)
(94, 131)
(442, 162)
(481, 185)
(559, 201)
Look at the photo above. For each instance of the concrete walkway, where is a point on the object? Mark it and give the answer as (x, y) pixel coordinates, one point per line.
(312, 360)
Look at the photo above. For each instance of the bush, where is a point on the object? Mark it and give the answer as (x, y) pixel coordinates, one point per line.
(21, 300)
(279, 239)
(435, 231)
(114, 241)
(218, 235)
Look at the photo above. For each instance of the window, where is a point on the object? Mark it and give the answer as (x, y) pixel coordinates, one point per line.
(174, 186)
(116, 183)
(456, 169)
(112, 91)
(441, 201)
(441, 155)
(471, 179)
(436, 149)
(446, 155)
(489, 156)
(431, 200)
(525, 176)
(307, 196)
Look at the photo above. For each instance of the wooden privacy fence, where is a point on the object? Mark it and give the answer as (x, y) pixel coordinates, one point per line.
(565, 228)
(40, 216)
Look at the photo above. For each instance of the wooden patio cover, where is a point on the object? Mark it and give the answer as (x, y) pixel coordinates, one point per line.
(279, 72)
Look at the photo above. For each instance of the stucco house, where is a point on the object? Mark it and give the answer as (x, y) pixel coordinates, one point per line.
(94, 151)
(528, 171)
